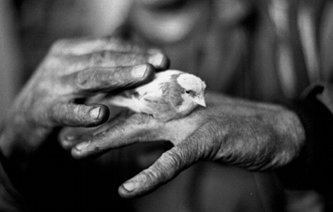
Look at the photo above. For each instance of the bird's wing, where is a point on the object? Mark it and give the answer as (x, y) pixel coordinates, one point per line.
(163, 102)
(172, 91)
(153, 98)
(153, 88)
(142, 101)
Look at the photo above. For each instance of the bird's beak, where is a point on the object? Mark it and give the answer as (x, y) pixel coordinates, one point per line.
(200, 101)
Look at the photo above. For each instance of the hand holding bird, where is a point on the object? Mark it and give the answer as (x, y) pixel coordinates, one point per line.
(170, 95)
(236, 132)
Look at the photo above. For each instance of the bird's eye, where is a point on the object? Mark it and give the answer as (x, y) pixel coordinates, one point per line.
(190, 92)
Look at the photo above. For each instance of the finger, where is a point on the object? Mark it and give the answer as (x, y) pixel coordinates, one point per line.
(71, 136)
(193, 148)
(163, 170)
(64, 114)
(107, 79)
(69, 142)
(138, 128)
(89, 45)
(114, 59)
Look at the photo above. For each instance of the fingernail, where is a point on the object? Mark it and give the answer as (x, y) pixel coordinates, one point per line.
(130, 186)
(82, 146)
(139, 71)
(95, 112)
(157, 59)
(70, 138)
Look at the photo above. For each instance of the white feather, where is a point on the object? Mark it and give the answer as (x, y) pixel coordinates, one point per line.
(153, 88)
(152, 91)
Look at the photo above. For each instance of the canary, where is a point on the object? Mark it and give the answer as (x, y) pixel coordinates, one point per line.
(172, 94)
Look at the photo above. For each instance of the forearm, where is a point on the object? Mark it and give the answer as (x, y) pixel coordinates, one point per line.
(22, 132)
(19, 139)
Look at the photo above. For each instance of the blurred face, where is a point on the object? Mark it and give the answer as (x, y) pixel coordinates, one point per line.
(167, 21)
(195, 34)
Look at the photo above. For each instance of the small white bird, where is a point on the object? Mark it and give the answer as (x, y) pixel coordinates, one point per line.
(170, 95)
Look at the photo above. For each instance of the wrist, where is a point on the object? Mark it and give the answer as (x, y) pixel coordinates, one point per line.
(313, 162)
(20, 137)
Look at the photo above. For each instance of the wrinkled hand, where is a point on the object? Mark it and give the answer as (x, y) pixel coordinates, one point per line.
(75, 69)
(235, 132)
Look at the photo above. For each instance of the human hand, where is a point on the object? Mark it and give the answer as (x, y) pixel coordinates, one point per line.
(75, 69)
(235, 132)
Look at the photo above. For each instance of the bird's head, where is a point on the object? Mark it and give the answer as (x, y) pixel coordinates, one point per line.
(194, 88)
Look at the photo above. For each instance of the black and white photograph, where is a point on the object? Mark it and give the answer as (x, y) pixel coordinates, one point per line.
(166, 105)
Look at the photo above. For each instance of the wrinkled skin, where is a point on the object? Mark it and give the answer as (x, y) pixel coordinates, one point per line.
(73, 69)
(232, 131)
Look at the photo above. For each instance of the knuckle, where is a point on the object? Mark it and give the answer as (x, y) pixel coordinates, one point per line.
(94, 78)
(83, 79)
(67, 114)
(54, 62)
(98, 58)
(173, 159)
(99, 78)
(79, 110)
(151, 176)
(118, 76)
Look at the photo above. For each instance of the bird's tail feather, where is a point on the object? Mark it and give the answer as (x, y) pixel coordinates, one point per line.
(121, 101)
